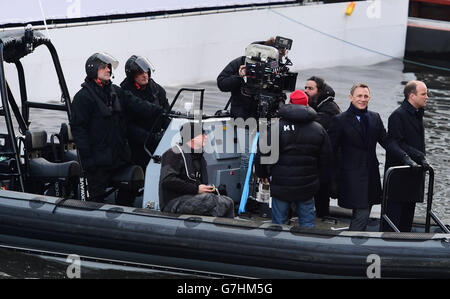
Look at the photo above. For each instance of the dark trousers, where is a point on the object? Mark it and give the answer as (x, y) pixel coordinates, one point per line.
(401, 214)
(207, 204)
(100, 179)
(360, 219)
(139, 155)
(322, 202)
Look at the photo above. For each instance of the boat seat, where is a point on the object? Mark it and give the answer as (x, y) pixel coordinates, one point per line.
(67, 149)
(39, 167)
(132, 176)
(65, 133)
(7, 166)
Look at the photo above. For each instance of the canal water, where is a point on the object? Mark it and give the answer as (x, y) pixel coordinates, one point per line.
(386, 81)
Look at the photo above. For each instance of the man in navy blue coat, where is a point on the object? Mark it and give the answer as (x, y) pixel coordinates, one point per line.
(354, 135)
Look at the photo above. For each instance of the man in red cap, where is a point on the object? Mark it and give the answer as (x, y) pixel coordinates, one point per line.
(299, 97)
(304, 152)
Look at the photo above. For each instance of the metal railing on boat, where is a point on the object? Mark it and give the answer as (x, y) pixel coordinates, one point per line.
(415, 175)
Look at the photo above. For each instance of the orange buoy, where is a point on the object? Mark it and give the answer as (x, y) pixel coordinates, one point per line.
(350, 8)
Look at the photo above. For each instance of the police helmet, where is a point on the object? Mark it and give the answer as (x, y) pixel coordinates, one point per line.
(136, 64)
(98, 59)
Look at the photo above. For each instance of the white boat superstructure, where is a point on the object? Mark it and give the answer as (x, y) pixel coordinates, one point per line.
(192, 47)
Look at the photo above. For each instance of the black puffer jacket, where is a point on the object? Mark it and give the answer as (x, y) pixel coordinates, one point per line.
(304, 154)
(99, 123)
(230, 81)
(325, 106)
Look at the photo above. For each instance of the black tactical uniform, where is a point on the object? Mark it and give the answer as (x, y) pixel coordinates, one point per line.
(99, 127)
(141, 130)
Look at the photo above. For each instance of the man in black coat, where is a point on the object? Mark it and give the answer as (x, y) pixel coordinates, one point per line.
(138, 81)
(303, 164)
(405, 126)
(183, 183)
(321, 99)
(231, 79)
(99, 126)
(354, 135)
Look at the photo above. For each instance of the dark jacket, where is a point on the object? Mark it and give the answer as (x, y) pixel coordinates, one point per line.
(99, 125)
(325, 106)
(140, 129)
(357, 173)
(304, 153)
(230, 81)
(405, 127)
(153, 93)
(181, 174)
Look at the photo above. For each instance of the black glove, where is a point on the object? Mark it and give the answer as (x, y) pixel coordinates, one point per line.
(425, 164)
(408, 161)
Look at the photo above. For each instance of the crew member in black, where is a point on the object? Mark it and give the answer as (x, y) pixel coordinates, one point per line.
(231, 79)
(99, 127)
(321, 99)
(183, 185)
(138, 80)
(405, 126)
(303, 164)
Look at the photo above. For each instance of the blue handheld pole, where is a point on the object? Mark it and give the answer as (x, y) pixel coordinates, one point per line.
(247, 178)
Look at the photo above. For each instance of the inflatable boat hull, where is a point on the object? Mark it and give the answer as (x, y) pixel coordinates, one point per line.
(222, 247)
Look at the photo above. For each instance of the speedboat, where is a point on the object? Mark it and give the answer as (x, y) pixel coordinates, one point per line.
(43, 208)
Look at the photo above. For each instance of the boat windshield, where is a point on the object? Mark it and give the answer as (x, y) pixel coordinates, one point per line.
(188, 103)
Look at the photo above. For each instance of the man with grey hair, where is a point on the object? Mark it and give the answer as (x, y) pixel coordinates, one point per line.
(405, 126)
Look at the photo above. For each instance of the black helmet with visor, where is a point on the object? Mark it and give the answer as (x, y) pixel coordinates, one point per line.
(137, 64)
(97, 60)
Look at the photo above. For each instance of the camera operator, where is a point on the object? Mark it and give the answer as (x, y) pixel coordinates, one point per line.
(233, 79)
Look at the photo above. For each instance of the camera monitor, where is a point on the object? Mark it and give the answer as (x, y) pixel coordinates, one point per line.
(283, 43)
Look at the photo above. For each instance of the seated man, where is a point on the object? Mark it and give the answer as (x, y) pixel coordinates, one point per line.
(183, 185)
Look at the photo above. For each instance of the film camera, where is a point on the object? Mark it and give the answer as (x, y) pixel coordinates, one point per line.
(268, 77)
